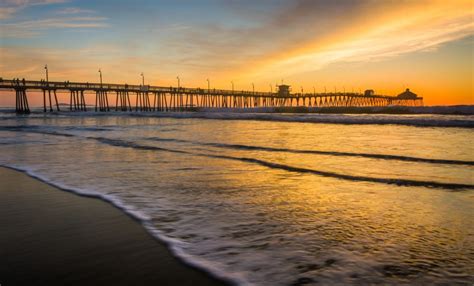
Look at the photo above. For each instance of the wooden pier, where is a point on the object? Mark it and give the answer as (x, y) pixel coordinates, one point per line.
(155, 98)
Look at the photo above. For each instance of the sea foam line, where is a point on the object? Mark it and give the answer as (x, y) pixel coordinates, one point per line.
(35, 129)
(390, 181)
(316, 118)
(318, 152)
(174, 245)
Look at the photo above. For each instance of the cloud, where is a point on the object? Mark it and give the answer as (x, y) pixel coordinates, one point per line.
(7, 12)
(315, 35)
(33, 28)
(425, 31)
(74, 10)
(278, 33)
(9, 7)
(31, 2)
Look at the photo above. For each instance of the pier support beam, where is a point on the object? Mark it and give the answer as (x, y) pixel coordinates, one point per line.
(21, 106)
(101, 100)
(49, 99)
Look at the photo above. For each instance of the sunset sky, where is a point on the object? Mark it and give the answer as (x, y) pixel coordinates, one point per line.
(426, 45)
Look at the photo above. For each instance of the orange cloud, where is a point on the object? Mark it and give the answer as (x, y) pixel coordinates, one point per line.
(408, 28)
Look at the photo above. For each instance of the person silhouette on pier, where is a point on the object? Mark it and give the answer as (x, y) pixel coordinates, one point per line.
(24, 82)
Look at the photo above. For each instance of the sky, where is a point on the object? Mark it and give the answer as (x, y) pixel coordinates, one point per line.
(312, 45)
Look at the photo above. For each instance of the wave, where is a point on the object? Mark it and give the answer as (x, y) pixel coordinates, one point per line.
(317, 152)
(35, 129)
(363, 119)
(390, 181)
(438, 116)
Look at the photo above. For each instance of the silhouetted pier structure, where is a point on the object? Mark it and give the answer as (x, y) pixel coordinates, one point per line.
(156, 98)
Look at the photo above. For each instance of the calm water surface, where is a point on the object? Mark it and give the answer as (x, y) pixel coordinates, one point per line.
(273, 203)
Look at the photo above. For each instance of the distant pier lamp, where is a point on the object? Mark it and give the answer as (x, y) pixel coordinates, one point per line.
(46, 69)
(283, 90)
(232, 82)
(253, 87)
(369, 92)
(271, 88)
(100, 74)
(179, 82)
(143, 79)
(208, 86)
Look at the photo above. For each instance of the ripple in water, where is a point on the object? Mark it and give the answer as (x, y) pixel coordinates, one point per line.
(236, 197)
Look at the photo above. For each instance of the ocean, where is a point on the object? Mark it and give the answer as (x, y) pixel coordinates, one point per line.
(273, 199)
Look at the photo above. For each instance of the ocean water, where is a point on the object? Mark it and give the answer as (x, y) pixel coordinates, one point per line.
(274, 199)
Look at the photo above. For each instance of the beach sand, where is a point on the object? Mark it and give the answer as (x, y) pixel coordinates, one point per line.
(52, 237)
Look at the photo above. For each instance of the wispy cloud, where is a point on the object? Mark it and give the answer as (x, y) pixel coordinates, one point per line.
(31, 2)
(75, 10)
(9, 7)
(34, 28)
(309, 35)
(425, 31)
(7, 12)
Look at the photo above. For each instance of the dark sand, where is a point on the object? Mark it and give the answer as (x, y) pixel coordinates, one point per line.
(52, 237)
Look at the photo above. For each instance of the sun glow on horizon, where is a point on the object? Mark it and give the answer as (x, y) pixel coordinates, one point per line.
(425, 45)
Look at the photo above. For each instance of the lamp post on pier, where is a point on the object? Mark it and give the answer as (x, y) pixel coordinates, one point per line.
(208, 86)
(253, 88)
(143, 79)
(100, 74)
(232, 82)
(314, 90)
(46, 68)
(271, 88)
(179, 82)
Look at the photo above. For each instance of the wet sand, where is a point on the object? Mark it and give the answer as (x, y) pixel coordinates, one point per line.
(52, 237)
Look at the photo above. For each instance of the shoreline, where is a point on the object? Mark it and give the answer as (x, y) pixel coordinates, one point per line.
(376, 110)
(50, 236)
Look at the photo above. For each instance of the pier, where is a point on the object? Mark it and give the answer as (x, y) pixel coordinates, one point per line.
(146, 98)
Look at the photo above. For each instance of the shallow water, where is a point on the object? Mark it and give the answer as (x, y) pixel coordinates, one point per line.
(270, 202)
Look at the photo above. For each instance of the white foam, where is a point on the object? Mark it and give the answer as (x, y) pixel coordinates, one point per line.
(413, 120)
(429, 116)
(174, 245)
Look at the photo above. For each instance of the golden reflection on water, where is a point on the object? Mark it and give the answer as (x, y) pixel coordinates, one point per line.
(315, 226)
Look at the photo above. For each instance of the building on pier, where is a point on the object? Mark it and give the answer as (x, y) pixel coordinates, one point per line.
(283, 90)
(407, 94)
(369, 92)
